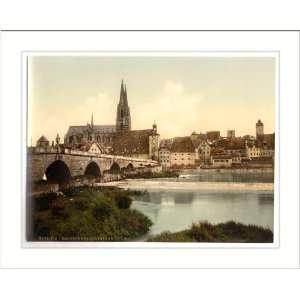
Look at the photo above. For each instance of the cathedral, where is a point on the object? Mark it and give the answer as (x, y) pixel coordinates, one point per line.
(116, 139)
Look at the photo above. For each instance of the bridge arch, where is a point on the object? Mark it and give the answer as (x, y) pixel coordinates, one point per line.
(130, 166)
(58, 172)
(115, 168)
(92, 170)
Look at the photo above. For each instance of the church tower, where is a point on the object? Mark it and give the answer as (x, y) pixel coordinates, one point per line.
(123, 122)
(259, 129)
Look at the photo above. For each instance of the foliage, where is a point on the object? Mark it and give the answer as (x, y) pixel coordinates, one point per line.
(123, 201)
(103, 209)
(229, 232)
(44, 201)
(89, 214)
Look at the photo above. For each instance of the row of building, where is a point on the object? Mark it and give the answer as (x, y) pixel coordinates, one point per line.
(212, 150)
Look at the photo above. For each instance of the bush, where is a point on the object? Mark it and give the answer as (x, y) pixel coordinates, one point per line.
(43, 202)
(93, 214)
(41, 224)
(103, 209)
(123, 201)
(58, 207)
(168, 236)
(135, 222)
(81, 203)
(201, 232)
(230, 232)
(71, 192)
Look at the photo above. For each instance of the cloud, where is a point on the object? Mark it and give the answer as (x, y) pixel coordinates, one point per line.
(178, 112)
(57, 118)
(174, 110)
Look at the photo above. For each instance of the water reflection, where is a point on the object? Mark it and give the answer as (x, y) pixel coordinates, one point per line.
(177, 210)
(266, 199)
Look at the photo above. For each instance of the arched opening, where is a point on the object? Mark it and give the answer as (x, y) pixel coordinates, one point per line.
(130, 166)
(129, 169)
(92, 170)
(115, 168)
(58, 172)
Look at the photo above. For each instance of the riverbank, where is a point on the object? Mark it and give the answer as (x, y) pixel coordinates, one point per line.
(88, 214)
(135, 184)
(229, 170)
(229, 232)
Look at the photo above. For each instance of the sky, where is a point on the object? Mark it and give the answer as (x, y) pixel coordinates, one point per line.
(181, 94)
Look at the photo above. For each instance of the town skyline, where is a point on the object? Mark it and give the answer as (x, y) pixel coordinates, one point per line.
(179, 108)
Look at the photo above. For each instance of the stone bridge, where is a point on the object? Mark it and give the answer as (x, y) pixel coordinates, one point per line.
(60, 166)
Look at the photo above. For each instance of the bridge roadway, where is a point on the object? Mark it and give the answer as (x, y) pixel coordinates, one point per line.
(62, 165)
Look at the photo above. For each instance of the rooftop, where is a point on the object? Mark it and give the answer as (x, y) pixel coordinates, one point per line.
(182, 144)
(131, 142)
(42, 139)
(74, 130)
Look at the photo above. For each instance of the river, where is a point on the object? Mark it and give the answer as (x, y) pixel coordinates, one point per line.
(173, 204)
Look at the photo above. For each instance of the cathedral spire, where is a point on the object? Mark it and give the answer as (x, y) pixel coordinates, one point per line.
(125, 96)
(123, 122)
(122, 92)
(92, 120)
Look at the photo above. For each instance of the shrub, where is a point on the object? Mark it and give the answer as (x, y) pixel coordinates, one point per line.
(123, 201)
(71, 192)
(93, 213)
(58, 207)
(201, 232)
(168, 236)
(230, 232)
(103, 209)
(81, 203)
(44, 201)
(41, 224)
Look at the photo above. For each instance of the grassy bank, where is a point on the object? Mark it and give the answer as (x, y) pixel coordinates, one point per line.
(229, 232)
(88, 214)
